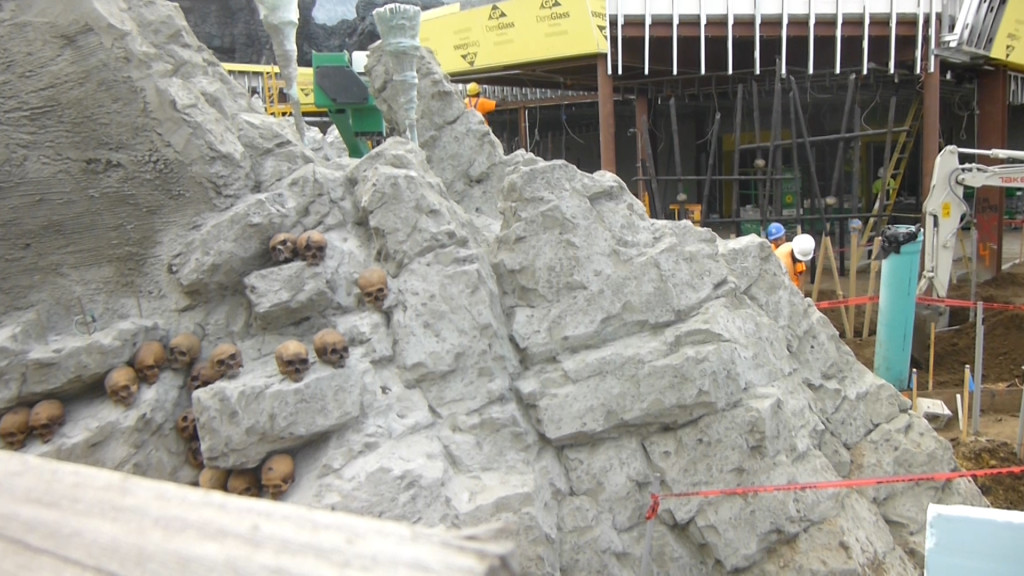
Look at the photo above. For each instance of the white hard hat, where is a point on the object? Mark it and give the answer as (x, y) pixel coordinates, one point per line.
(803, 247)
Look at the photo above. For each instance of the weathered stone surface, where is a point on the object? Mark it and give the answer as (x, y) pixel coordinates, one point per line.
(287, 293)
(243, 419)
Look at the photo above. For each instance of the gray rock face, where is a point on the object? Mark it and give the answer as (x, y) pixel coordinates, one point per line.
(545, 351)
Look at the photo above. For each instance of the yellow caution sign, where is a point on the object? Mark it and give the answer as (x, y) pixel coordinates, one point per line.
(1008, 44)
(514, 32)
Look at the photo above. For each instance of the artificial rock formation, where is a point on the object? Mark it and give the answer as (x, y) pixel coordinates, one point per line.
(544, 354)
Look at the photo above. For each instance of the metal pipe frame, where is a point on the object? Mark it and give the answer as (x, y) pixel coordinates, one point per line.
(785, 28)
(619, 21)
(608, 38)
(892, 36)
(730, 20)
(864, 40)
(839, 34)
(932, 37)
(811, 21)
(647, 37)
(675, 38)
(920, 36)
(703, 38)
(757, 37)
(823, 139)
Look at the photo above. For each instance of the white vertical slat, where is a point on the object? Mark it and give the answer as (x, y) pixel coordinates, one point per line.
(864, 41)
(931, 37)
(647, 36)
(811, 20)
(703, 36)
(675, 37)
(757, 37)
(729, 22)
(785, 26)
(892, 36)
(920, 37)
(618, 23)
(608, 36)
(839, 34)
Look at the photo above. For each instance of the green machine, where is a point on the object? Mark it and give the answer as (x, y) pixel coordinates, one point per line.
(339, 89)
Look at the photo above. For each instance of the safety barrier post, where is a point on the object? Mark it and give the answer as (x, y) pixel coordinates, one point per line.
(979, 353)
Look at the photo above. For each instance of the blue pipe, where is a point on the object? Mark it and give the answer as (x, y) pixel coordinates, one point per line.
(897, 304)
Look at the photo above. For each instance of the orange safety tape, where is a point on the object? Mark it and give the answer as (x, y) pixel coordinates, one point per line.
(861, 300)
(858, 301)
(652, 511)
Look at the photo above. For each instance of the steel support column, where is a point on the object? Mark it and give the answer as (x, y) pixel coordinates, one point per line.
(993, 119)
(606, 116)
(640, 105)
(929, 128)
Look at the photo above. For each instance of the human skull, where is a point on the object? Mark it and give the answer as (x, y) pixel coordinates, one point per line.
(292, 360)
(149, 359)
(186, 426)
(183, 351)
(46, 417)
(195, 454)
(226, 360)
(373, 283)
(331, 347)
(312, 247)
(277, 475)
(122, 384)
(14, 427)
(202, 376)
(244, 483)
(283, 247)
(214, 478)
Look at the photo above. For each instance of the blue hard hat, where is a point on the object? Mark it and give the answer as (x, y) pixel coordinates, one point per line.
(775, 231)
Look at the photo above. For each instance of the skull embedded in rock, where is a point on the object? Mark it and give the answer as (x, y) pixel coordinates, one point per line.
(122, 384)
(214, 478)
(46, 417)
(312, 247)
(283, 247)
(373, 283)
(149, 359)
(277, 475)
(195, 454)
(292, 360)
(226, 360)
(186, 426)
(183, 351)
(202, 376)
(244, 483)
(331, 347)
(14, 427)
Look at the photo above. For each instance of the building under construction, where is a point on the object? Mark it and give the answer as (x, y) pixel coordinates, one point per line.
(744, 111)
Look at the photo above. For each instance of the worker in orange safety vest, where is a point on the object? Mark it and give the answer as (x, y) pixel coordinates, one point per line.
(794, 255)
(475, 102)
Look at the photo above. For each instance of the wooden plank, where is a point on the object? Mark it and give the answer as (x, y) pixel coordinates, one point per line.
(70, 519)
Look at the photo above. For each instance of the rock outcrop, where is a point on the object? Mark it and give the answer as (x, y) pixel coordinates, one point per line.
(547, 353)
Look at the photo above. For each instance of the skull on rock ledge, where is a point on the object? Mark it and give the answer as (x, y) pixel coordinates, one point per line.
(214, 478)
(14, 427)
(312, 247)
(194, 455)
(122, 384)
(149, 359)
(45, 418)
(292, 360)
(283, 247)
(277, 475)
(183, 350)
(202, 376)
(186, 426)
(226, 360)
(244, 483)
(331, 347)
(373, 283)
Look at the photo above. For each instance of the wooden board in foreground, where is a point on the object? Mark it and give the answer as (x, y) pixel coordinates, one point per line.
(70, 519)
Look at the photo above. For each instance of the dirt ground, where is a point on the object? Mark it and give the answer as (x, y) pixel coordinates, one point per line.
(1003, 367)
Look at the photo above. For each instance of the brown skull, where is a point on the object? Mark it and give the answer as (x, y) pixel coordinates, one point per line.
(186, 426)
(202, 376)
(14, 427)
(183, 351)
(373, 283)
(244, 483)
(226, 360)
(292, 360)
(122, 384)
(195, 454)
(277, 475)
(149, 359)
(331, 347)
(214, 478)
(283, 247)
(312, 247)
(46, 417)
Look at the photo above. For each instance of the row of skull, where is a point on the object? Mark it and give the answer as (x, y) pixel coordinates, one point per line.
(43, 420)
(275, 477)
(310, 247)
(292, 356)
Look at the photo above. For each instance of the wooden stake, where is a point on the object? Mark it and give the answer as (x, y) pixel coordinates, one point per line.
(854, 242)
(827, 252)
(966, 401)
(872, 284)
(931, 359)
(913, 388)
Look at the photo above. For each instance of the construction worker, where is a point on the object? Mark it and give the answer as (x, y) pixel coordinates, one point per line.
(476, 102)
(776, 234)
(876, 187)
(794, 256)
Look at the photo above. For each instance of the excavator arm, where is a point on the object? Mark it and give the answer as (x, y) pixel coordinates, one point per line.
(945, 209)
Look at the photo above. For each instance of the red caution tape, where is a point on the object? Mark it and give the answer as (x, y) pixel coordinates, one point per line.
(652, 512)
(859, 301)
